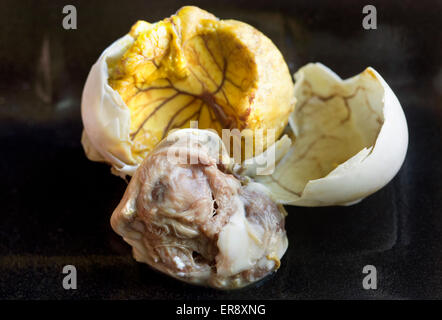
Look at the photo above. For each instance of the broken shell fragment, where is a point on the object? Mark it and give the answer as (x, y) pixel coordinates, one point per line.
(350, 139)
(224, 74)
(186, 216)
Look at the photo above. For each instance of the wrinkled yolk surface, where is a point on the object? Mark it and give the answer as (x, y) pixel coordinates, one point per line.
(167, 82)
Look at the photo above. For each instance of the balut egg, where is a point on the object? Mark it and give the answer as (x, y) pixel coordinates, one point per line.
(185, 215)
(190, 210)
(349, 137)
(224, 74)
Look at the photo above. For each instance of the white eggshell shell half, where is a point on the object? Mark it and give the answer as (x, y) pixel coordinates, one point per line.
(365, 171)
(105, 116)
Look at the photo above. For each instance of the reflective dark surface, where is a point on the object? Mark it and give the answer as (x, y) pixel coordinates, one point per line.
(56, 205)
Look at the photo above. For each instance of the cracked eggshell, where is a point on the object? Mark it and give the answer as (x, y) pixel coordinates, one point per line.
(106, 118)
(187, 72)
(350, 139)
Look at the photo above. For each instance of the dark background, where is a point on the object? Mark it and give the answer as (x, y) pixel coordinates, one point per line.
(55, 205)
